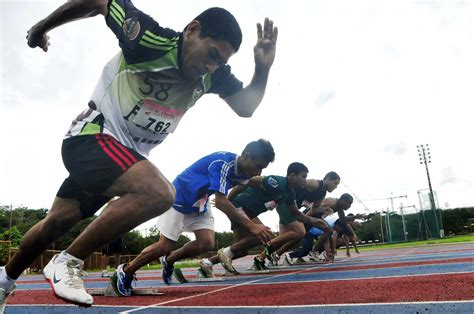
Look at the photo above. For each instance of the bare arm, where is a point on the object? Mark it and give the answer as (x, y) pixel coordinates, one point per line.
(224, 205)
(318, 223)
(353, 238)
(322, 207)
(346, 243)
(68, 12)
(236, 191)
(320, 212)
(246, 101)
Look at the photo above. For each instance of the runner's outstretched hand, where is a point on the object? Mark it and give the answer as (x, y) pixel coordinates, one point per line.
(264, 50)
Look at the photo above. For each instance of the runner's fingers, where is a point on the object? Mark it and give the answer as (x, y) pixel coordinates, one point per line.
(266, 27)
(259, 30)
(275, 35)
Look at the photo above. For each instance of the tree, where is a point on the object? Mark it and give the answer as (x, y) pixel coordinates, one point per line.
(14, 236)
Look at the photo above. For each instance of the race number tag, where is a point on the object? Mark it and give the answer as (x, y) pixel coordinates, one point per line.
(202, 203)
(158, 118)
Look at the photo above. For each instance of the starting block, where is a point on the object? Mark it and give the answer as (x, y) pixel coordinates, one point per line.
(179, 276)
(110, 292)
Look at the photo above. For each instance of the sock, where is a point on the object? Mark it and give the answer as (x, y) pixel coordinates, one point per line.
(207, 262)
(6, 282)
(228, 252)
(269, 248)
(65, 256)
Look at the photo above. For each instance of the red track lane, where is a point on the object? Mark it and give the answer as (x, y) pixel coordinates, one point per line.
(317, 270)
(403, 289)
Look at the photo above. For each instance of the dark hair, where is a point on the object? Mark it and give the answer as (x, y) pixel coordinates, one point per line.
(346, 197)
(260, 149)
(296, 167)
(219, 24)
(332, 176)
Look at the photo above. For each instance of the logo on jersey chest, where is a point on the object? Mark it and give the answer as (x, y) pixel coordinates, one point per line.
(273, 182)
(131, 28)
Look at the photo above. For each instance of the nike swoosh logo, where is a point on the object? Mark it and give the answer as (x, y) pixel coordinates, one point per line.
(55, 280)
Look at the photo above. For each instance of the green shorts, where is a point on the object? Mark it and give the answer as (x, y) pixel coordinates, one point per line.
(285, 216)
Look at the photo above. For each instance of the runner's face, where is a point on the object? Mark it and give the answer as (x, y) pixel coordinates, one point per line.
(253, 167)
(298, 181)
(332, 185)
(345, 204)
(202, 55)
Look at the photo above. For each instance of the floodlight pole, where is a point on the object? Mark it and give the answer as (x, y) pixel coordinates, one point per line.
(424, 155)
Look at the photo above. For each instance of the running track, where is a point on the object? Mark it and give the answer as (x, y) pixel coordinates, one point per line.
(434, 278)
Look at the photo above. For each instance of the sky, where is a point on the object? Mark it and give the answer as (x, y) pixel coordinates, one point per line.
(355, 87)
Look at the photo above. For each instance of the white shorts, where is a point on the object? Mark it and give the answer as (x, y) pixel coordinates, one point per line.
(172, 223)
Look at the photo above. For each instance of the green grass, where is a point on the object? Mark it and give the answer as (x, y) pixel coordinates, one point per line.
(457, 239)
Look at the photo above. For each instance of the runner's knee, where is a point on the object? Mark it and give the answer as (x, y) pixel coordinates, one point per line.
(206, 245)
(300, 233)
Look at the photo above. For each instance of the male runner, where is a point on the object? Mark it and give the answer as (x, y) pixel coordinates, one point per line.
(340, 237)
(262, 194)
(140, 98)
(309, 197)
(342, 203)
(345, 233)
(213, 174)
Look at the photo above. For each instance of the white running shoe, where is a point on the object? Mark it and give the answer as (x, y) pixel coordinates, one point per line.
(314, 256)
(206, 269)
(66, 280)
(288, 259)
(226, 261)
(4, 296)
(105, 274)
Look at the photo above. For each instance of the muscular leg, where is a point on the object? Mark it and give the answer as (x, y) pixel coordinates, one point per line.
(304, 250)
(150, 254)
(291, 232)
(287, 246)
(239, 234)
(145, 193)
(204, 243)
(64, 214)
(243, 241)
(294, 231)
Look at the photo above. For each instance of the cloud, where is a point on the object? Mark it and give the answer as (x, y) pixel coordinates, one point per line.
(324, 98)
(448, 176)
(396, 149)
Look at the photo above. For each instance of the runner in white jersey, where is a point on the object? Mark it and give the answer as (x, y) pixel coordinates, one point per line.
(140, 98)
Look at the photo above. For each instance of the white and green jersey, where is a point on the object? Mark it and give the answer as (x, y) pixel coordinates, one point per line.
(142, 93)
